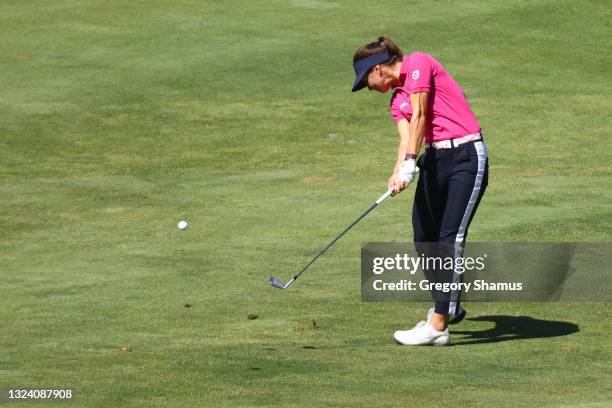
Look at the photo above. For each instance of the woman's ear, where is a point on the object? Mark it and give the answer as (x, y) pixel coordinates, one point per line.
(378, 69)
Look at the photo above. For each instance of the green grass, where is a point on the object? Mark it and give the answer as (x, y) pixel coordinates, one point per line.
(117, 119)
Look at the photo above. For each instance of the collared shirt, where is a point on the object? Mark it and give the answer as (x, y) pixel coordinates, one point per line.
(450, 114)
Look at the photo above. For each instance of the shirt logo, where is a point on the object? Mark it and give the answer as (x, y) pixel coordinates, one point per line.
(415, 74)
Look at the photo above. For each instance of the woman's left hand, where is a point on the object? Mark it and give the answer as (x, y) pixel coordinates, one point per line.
(408, 170)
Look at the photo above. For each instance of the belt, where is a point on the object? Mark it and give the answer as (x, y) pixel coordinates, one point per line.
(450, 143)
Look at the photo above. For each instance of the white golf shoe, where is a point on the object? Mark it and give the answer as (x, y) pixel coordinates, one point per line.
(453, 318)
(423, 334)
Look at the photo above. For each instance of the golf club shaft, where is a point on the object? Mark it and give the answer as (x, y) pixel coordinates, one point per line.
(380, 200)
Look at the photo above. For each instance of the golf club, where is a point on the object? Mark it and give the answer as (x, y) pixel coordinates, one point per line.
(279, 284)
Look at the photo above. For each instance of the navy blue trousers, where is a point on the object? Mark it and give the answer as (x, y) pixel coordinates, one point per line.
(450, 187)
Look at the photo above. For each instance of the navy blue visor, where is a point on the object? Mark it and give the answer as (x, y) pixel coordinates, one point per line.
(363, 65)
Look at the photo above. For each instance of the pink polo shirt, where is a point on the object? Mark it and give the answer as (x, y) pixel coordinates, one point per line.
(451, 116)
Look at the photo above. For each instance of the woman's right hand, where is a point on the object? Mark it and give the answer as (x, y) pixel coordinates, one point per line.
(395, 184)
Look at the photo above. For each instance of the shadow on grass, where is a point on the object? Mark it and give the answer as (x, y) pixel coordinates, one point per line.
(513, 328)
(506, 328)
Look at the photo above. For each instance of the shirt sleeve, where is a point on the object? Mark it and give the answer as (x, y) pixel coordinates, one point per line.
(400, 106)
(419, 77)
(396, 114)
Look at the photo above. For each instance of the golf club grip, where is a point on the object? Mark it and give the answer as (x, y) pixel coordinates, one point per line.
(390, 191)
(384, 196)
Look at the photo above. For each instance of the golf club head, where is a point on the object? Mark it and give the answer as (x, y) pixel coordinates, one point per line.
(276, 283)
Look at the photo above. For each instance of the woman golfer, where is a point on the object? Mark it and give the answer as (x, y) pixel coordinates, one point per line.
(430, 108)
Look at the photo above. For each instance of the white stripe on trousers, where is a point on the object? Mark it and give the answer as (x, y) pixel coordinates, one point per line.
(481, 151)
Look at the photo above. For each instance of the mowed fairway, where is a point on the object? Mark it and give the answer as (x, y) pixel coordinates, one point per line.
(118, 119)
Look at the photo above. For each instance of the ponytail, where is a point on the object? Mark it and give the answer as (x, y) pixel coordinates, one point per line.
(382, 44)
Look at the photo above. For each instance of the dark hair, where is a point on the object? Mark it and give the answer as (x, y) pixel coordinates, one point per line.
(379, 46)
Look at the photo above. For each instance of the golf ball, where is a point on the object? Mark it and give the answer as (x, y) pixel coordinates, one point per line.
(182, 225)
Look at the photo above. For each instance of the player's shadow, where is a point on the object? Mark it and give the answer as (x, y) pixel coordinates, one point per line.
(513, 328)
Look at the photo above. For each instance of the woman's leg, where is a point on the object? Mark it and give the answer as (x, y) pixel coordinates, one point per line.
(427, 212)
(467, 182)
(427, 208)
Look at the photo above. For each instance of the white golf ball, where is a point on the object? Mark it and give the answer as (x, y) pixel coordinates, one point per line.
(182, 225)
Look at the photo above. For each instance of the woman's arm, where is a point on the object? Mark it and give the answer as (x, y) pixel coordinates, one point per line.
(394, 183)
(418, 122)
(411, 136)
(403, 128)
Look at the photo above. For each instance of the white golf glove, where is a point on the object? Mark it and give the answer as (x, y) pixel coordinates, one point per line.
(407, 171)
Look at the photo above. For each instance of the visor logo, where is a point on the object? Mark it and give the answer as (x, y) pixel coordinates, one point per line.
(415, 74)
